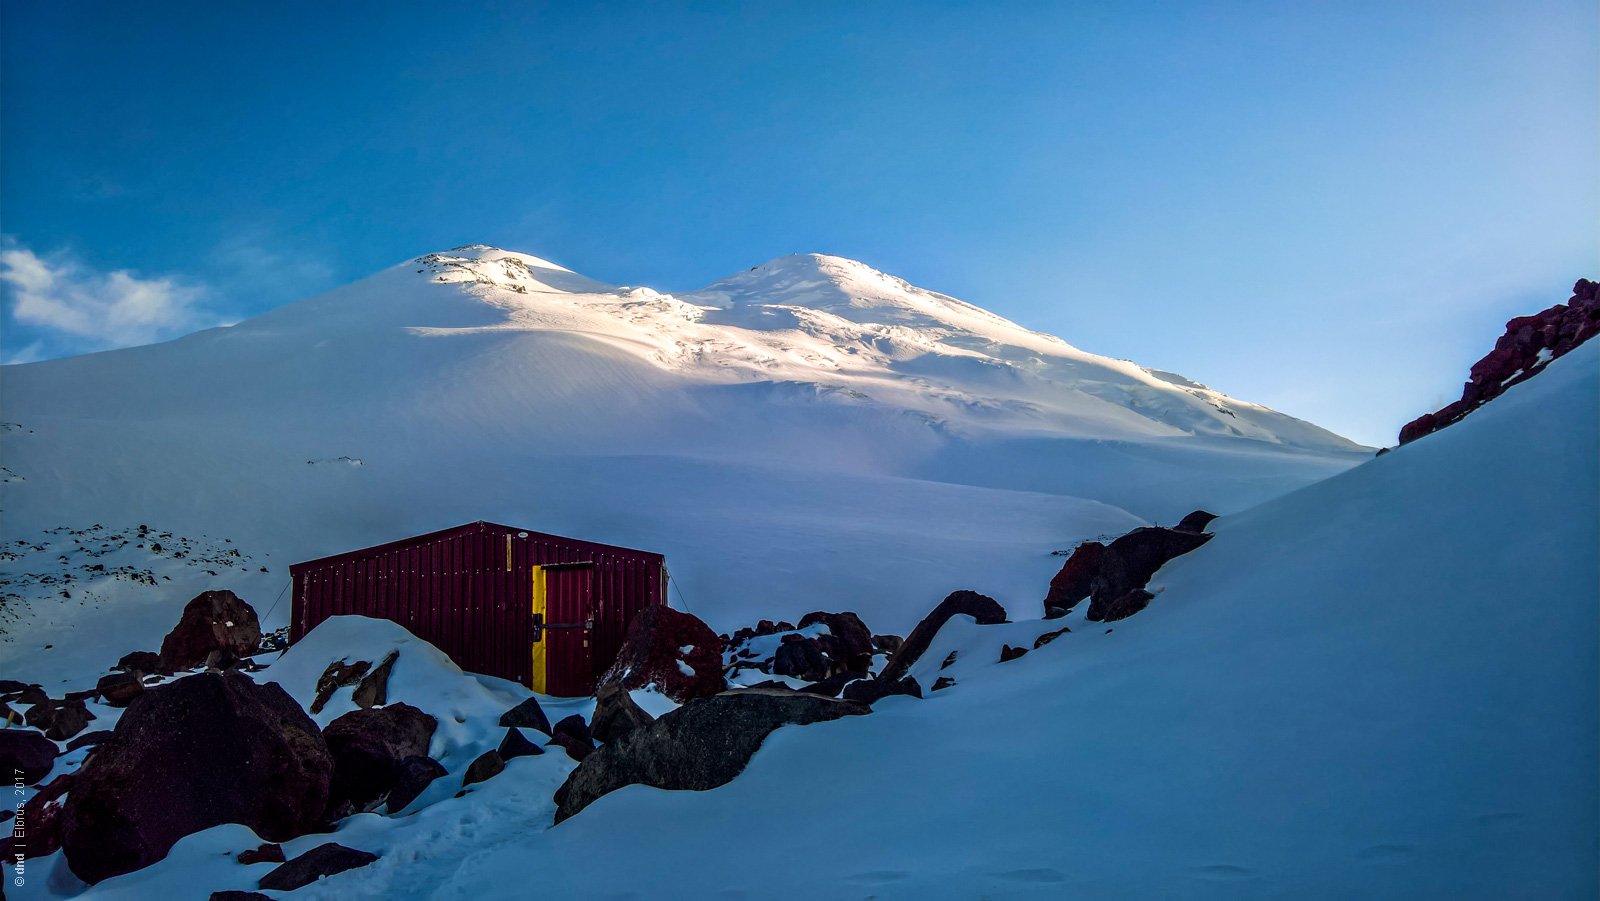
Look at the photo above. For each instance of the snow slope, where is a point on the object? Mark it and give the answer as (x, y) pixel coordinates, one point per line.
(1384, 685)
(807, 434)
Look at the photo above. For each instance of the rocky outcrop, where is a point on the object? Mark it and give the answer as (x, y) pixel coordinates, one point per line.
(369, 746)
(701, 745)
(336, 676)
(848, 641)
(1526, 348)
(1128, 565)
(616, 714)
(374, 688)
(1195, 522)
(1075, 580)
(27, 755)
(980, 607)
(213, 621)
(323, 860)
(194, 753)
(672, 650)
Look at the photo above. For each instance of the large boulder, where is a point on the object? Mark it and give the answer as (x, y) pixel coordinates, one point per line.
(1075, 580)
(672, 650)
(197, 752)
(701, 745)
(986, 610)
(369, 748)
(119, 689)
(26, 754)
(213, 621)
(1526, 348)
(1128, 564)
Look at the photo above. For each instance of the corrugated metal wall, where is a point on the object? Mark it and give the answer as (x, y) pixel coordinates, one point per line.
(468, 591)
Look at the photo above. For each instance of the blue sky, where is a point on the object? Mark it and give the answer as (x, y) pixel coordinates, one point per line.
(1328, 208)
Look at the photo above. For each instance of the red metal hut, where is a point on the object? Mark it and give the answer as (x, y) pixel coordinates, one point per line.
(546, 611)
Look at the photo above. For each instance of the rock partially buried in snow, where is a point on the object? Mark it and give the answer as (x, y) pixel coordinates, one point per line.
(26, 754)
(416, 774)
(980, 607)
(374, 688)
(1075, 580)
(488, 765)
(119, 689)
(515, 745)
(212, 621)
(368, 747)
(573, 734)
(527, 715)
(192, 754)
(701, 745)
(336, 676)
(59, 720)
(323, 860)
(672, 650)
(1128, 565)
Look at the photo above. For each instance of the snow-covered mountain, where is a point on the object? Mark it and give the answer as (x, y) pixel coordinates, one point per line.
(1380, 686)
(809, 433)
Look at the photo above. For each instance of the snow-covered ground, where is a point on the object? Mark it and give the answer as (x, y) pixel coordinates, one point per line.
(1384, 685)
(808, 434)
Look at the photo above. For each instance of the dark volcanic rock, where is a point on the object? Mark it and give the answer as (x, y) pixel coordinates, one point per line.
(336, 676)
(527, 715)
(488, 765)
(1195, 522)
(142, 662)
(1009, 653)
(1526, 348)
(653, 653)
(1130, 561)
(1121, 607)
(192, 754)
(323, 860)
(888, 644)
(616, 714)
(943, 682)
(848, 642)
(870, 691)
(374, 688)
(26, 753)
(980, 607)
(40, 819)
(119, 689)
(801, 657)
(573, 735)
(831, 686)
(214, 620)
(1048, 637)
(267, 853)
(515, 745)
(1075, 580)
(60, 720)
(368, 746)
(416, 774)
(701, 745)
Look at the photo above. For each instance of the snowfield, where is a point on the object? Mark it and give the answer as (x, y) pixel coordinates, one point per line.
(1384, 685)
(808, 434)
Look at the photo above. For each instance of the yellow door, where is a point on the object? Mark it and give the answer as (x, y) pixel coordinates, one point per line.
(540, 645)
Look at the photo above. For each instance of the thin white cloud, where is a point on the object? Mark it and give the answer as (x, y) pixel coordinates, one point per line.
(72, 308)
